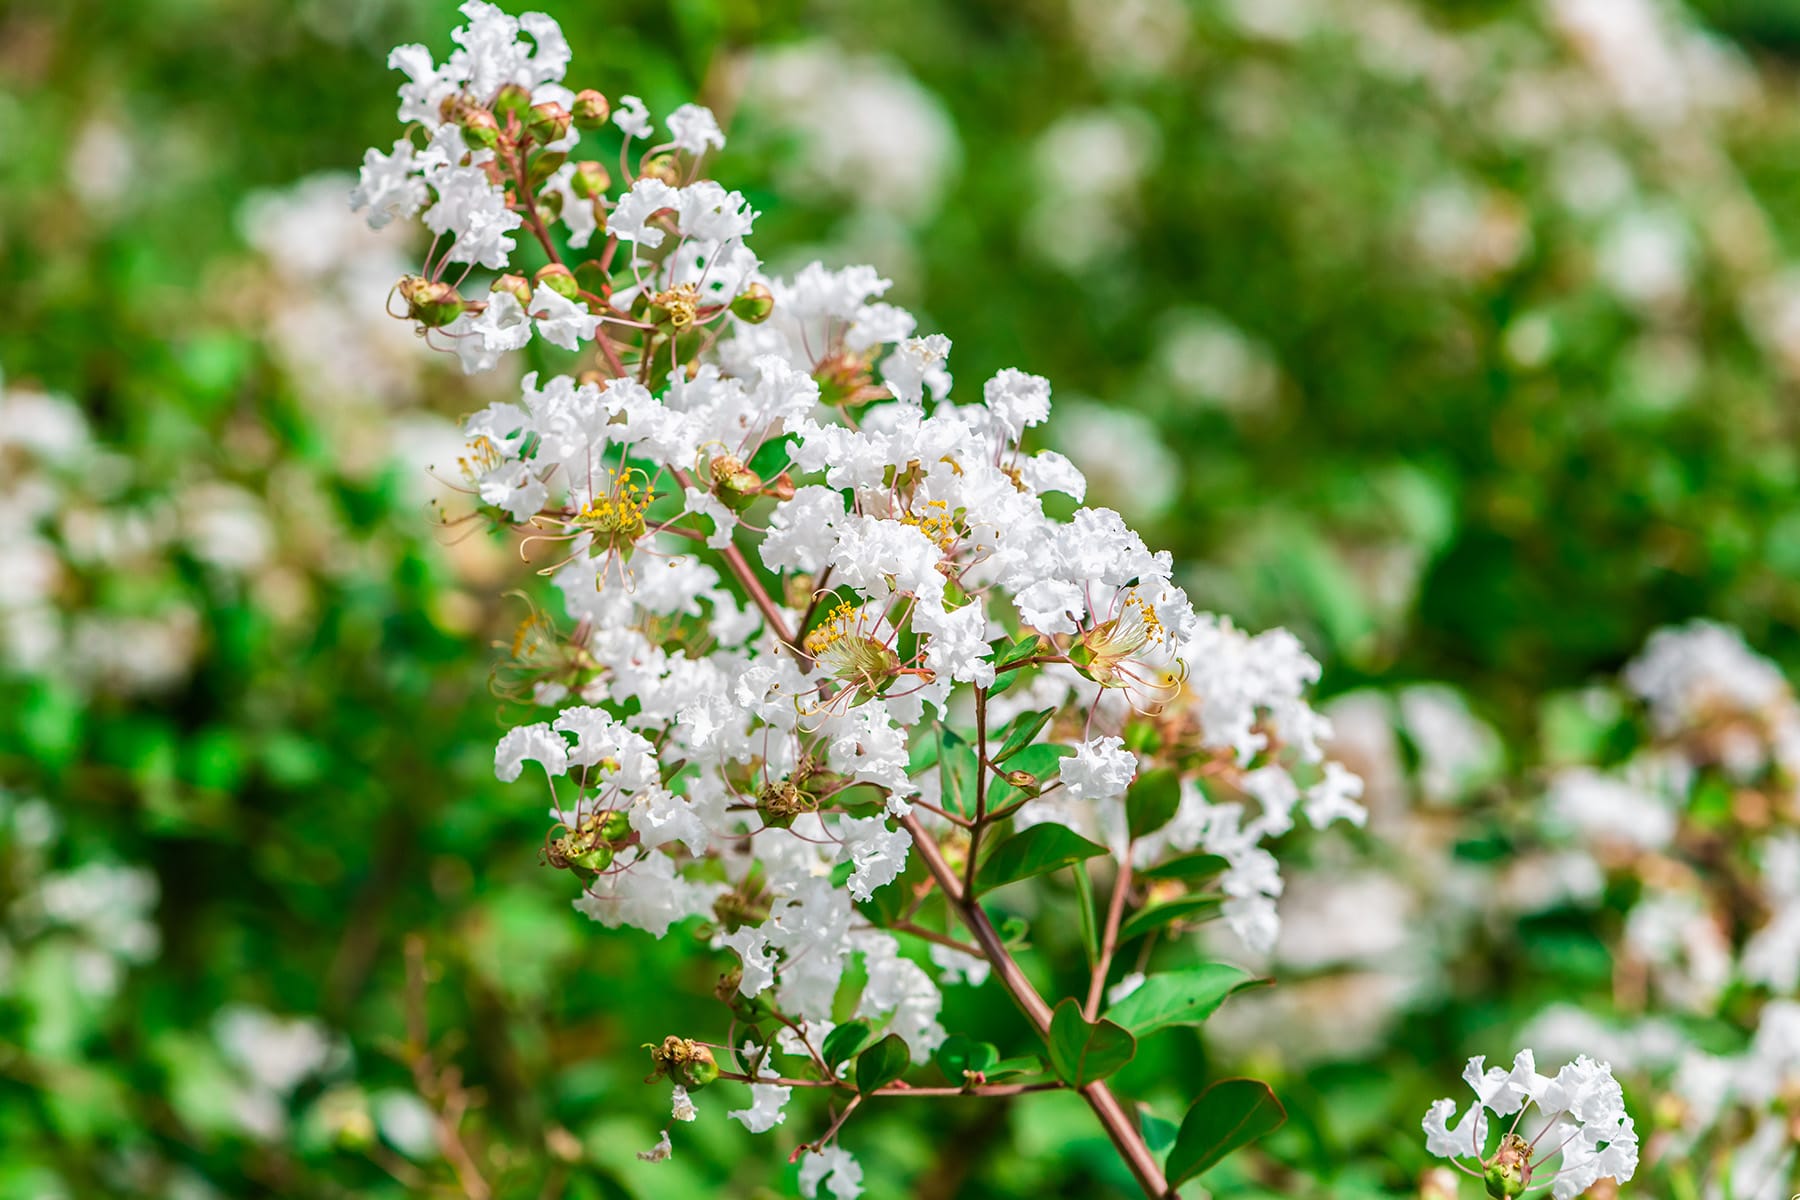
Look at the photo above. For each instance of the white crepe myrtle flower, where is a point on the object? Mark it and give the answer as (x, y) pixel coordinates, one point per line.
(837, 1169)
(1100, 769)
(632, 117)
(1580, 1123)
(681, 1105)
(767, 1100)
(562, 321)
(661, 1152)
(693, 128)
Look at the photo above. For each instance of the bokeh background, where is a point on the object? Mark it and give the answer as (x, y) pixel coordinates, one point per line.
(1461, 338)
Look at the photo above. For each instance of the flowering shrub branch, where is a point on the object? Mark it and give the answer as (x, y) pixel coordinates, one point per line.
(837, 673)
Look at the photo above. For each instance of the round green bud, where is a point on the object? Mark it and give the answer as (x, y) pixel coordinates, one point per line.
(431, 303)
(479, 128)
(560, 280)
(699, 1069)
(754, 305)
(591, 109)
(516, 285)
(594, 858)
(547, 123)
(615, 826)
(589, 180)
(512, 101)
(1504, 1181)
(733, 482)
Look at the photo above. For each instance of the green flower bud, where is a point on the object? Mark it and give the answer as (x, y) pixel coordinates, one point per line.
(589, 180)
(560, 280)
(479, 128)
(594, 858)
(665, 168)
(517, 285)
(591, 109)
(432, 304)
(547, 123)
(754, 305)
(698, 1071)
(615, 826)
(512, 101)
(1503, 1181)
(733, 482)
(685, 1061)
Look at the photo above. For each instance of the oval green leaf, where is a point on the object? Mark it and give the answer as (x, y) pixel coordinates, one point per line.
(1151, 801)
(881, 1063)
(1042, 848)
(1228, 1115)
(1080, 1052)
(1184, 997)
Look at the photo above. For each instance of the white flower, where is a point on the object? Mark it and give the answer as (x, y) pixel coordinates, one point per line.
(916, 362)
(389, 186)
(693, 128)
(563, 321)
(681, 1106)
(530, 743)
(1590, 1133)
(835, 1164)
(630, 115)
(628, 219)
(1100, 769)
(503, 325)
(767, 1100)
(659, 1152)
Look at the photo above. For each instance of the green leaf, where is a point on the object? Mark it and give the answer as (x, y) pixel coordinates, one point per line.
(844, 1043)
(1024, 1064)
(1184, 997)
(1159, 1134)
(1042, 759)
(957, 768)
(1023, 646)
(881, 1063)
(1041, 848)
(1021, 731)
(1194, 909)
(1081, 1052)
(1090, 919)
(1228, 1115)
(1188, 866)
(960, 1054)
(1151, 801)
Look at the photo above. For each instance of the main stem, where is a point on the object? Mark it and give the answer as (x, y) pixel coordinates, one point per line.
(1118, 1123)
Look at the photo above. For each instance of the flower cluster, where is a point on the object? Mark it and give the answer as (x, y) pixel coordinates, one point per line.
(1580, 1121)
(798, 570)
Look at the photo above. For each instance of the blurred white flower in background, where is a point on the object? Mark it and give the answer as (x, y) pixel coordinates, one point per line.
(1089, 166)
(1210, 361)
(1127, 464)
(863, 127)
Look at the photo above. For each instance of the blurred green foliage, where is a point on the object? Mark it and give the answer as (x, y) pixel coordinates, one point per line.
(1411, 485)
